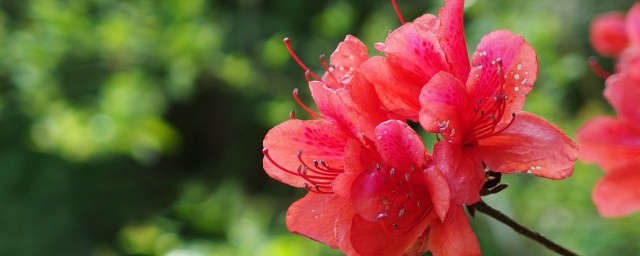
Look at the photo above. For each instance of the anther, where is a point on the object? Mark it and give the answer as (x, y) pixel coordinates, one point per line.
(393, 172)
(292, 114)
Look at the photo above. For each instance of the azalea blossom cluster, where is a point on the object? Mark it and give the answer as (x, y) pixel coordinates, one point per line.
(374, 189)
(613, 143)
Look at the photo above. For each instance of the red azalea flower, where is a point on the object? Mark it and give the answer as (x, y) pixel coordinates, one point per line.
(613, 143)
(372, 190)
(480, 122)
(608, 34)
(415, 52)
(402, 202)
(614, 35)
(399, 204)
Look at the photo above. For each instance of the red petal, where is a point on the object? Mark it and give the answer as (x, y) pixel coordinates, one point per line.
(318, 140)
(343, 231)
(628, 61)
(530, 144)
(363, 104)
(618, 193)
(519, 69)
(315, 215)
(369, 238)
(366, 193)
(443, 100)
(344, 95)
(608, 35)
(348, 56)
(396, 87)
(416, 50)
(439, 191)
(608, 140)
(464, 174)
(426, 22)
(623, 92)
(399, 145)
(632, 23)
(453, 236)
(452, 38)
(359, 158)
(334, 108)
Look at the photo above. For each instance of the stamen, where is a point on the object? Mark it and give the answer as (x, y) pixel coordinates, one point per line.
(306, 76)
(395, 6)
(328, 168)
(318, 171)
(414, 221)
(326, 68)
(310, 111)
(287, 42)
(292, 114)
(513, 117)
(595, 67)
(319, 183)
(316, 189)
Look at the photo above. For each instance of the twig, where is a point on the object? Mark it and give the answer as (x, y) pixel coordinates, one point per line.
(488, 210)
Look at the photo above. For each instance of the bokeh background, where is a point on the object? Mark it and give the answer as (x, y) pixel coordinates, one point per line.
(136, 127)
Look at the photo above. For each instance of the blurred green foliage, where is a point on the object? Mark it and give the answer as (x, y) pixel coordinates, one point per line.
(135, 127)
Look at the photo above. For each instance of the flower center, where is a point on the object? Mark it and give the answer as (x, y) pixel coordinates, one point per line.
(406, 200)
(318, 176)
(488, 114)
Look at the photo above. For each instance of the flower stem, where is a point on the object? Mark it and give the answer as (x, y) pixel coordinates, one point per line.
(488, 210)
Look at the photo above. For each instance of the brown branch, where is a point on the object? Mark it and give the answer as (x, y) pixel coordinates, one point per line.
(488, 210)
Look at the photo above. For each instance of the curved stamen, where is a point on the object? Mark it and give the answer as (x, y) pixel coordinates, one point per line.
(287, 42)
(303, 106)
(491, 125)
(597, 69)
(489, 112)
(397, 229)
(395, 6)
(513, 117)
(317, 189)
(320, 182)
(326, 68)
(299, 172)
